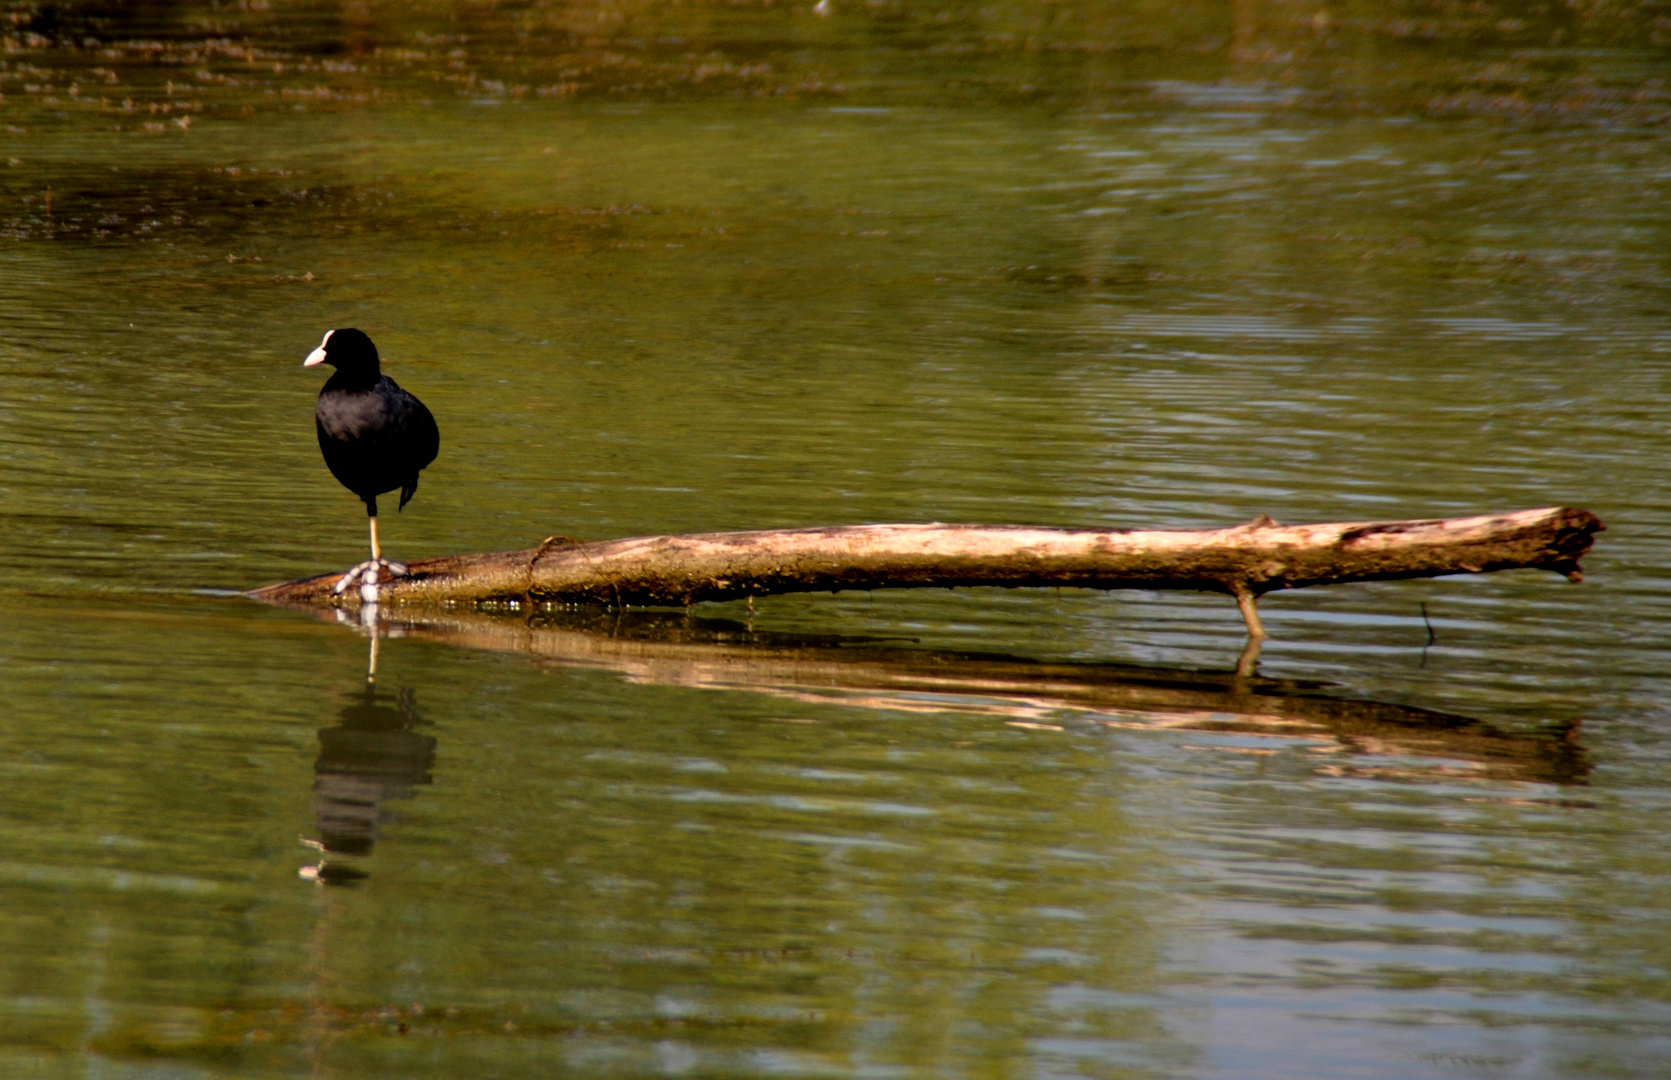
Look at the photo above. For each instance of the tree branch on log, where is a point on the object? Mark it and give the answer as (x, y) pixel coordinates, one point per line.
(1244, 562)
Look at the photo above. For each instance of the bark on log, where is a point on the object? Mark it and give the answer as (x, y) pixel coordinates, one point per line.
(1245, 562)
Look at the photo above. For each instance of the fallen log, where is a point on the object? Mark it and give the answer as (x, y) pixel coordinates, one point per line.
(1244, 562)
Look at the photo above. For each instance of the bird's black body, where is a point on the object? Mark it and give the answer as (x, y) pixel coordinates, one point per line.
(375, 436)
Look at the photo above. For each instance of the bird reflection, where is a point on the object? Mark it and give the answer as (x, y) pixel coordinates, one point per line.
(373, 755)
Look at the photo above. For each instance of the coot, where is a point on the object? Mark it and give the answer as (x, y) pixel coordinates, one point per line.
(375, 437)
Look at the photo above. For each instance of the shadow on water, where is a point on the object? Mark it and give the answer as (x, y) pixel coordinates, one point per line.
(372, 756)
(376, 747)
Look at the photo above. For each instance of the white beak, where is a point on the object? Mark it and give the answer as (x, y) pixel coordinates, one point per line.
(317, 356)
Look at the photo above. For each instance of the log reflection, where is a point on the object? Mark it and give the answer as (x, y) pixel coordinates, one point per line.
(1351, 737)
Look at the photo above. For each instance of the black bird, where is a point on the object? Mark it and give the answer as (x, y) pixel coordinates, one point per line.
(374, 435)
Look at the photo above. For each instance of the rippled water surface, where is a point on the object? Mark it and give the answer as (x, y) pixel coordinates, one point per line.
(664, 268)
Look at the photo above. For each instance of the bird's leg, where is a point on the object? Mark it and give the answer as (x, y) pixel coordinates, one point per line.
(367, 573)
(368, 577)
(395, 569)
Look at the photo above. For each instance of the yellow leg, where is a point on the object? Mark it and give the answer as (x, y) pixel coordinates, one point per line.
(376, 552)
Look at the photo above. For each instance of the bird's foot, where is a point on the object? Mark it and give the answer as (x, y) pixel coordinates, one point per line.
(367, 575)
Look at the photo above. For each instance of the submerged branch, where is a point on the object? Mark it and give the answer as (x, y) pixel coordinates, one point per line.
(1244, 562)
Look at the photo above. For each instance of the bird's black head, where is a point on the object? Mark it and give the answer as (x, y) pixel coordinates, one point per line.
(350, 352)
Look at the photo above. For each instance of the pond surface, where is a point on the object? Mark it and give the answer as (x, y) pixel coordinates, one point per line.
(665, 268)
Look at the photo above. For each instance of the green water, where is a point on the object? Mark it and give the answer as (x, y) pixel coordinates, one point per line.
(662, 268)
